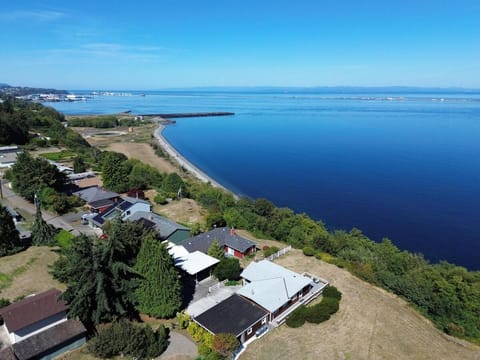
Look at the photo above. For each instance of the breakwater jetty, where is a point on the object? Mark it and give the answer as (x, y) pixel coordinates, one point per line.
(187, 115)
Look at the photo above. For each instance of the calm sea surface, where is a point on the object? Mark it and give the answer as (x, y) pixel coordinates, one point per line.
(402, 166)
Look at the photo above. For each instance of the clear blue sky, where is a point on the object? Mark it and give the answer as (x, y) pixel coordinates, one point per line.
(159, 44)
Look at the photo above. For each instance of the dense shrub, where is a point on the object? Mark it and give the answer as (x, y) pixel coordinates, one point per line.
(297, 317)
(64, 238)
(332, 292)
(270, 251)
(319, 312)
(228, 268)
(308, 251)
(125, 338)
(160, 199)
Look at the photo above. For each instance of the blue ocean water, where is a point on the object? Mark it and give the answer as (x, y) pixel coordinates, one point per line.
(404, 166)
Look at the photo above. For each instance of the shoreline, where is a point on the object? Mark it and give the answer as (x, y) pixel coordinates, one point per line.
(185, 163)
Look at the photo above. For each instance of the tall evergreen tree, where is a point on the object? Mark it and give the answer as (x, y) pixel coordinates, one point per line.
(99, 285)
(9, 237)
(215, 250)
(115, 171)
(42, 233)
(159, 291)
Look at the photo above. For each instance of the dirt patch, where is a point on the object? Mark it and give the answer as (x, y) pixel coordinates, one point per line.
(143, 152)
(29, 272)
(185, 211)
(371, 324)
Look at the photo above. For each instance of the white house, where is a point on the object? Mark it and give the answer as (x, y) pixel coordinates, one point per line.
(33, 315)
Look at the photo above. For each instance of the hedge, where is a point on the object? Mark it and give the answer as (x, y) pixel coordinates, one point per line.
(317, 313)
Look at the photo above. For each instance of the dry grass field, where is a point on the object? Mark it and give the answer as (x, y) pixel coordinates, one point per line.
(371, 324)
(185, 211)
(27, 272)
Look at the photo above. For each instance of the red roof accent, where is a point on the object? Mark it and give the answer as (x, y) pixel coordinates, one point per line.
(32, 309)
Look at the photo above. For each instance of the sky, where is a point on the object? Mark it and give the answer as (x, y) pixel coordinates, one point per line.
(149, 45)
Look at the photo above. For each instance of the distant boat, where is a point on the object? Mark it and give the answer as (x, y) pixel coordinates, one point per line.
(142, 94)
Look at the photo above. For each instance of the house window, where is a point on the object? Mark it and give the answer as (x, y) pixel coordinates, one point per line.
(128, 212)
(264, 321)
(249, 331)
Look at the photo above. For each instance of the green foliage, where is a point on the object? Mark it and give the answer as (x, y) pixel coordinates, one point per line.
(215, 250)
(9, 237)
(308, 251)
(115, 171)
(42, 233)
(29, 175)
(125, 338)
(100, 122)
(79, 165)
(59, 155)
(183, 319)
(201, 336)
(160, 199)
(64, 238)
(13, 125)
(171, 185)
(270, 251)
(215, 220)
(143, 176)
(58, 202)
(319, 312)
(159, 291)
(297, 317)
(228, 268)
(100, 282)
(332, 292)
(225, 344)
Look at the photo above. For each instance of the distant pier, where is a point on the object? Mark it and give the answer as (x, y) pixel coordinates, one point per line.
(187, 115)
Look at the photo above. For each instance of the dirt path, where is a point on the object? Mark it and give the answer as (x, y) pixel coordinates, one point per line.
(371, 324)
(143, 152)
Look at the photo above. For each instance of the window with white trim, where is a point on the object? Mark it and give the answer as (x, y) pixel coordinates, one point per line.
(264, 321)
(249, 331)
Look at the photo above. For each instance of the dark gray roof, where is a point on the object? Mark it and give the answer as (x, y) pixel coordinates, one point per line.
(50, 340)
(223, 235)
(163, 226)
(101, 203)
(233, 315)
(32, 309)
(95, 193)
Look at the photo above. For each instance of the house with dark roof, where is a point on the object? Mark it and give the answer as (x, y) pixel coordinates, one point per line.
(33, 314)
(123, 209)
(232, 243)
(38, 327)
(167, 230)
(235, 315)
(97, 198)
(52, 342)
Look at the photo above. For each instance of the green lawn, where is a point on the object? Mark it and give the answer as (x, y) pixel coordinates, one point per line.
(59, 156)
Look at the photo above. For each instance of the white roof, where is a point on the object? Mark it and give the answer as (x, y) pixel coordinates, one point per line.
(271, 285)
(193, 262)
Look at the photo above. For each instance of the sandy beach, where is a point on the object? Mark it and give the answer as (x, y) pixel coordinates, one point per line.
(183, 162)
